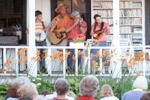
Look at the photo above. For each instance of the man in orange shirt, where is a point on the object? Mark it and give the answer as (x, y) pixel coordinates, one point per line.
(63, 18)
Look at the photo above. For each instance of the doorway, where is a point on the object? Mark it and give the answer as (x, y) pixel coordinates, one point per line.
(83, 6)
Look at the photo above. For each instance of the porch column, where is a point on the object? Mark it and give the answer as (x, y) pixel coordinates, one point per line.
(116, 40)
(143, 37)
(32, 65)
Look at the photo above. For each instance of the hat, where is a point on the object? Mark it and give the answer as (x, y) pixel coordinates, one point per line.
(61, 5)
(75, 13)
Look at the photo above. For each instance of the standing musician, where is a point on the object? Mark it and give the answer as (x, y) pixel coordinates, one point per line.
(40, 37)
(76, 28)
(61, 21)
(40, 27)
(99, 33)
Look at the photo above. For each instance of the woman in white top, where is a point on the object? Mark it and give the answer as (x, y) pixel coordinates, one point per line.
(107, 93)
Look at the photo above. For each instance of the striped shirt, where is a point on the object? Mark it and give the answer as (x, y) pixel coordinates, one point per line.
(38, 25)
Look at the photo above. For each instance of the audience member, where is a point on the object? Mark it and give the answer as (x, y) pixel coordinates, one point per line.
(140, 84)
(145, 96)
(28, 90)
(88, 88)
(61, 87)
(12, 91)
(107, 93)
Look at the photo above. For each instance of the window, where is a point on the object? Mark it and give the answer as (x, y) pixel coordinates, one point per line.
(12, 22)
(83, 6)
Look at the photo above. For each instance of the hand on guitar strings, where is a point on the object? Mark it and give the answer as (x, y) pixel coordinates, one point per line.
(58, 35)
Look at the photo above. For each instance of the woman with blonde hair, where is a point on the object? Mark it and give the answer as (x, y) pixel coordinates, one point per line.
(107, 93)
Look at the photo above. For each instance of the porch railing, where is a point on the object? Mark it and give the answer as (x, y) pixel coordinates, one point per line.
(133, 60)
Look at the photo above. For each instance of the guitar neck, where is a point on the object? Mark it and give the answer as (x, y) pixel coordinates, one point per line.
(52, 24)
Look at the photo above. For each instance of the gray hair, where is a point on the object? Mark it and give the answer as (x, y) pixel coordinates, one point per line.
(89, 85)
(62, 86)
(140, 83)
(22, 80)
(27, 90)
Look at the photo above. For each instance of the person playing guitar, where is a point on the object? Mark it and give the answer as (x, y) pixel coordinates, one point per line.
(99, 31)
(61, 21)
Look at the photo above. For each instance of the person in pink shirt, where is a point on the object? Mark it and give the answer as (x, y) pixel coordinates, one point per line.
(99, 31)
(76, 28)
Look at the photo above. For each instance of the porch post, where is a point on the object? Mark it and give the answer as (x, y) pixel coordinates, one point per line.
(32, 65)
(143, 37)
(116, 40)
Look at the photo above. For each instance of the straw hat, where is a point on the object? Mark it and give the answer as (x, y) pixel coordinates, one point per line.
(59, 6)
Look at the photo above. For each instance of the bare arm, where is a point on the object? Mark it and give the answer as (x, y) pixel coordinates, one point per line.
(92, 31)
(108, 29)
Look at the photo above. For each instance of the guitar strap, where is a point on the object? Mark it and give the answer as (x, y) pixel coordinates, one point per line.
(101, 27)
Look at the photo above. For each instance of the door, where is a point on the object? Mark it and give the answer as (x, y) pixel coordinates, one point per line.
(83, 6)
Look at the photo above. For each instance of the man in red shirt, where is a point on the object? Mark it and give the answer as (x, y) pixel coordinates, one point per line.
(76, 28)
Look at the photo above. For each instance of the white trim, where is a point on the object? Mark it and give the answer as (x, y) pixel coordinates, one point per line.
(32, 66)
(116, 39)
(17, 67)
(4, 57)
(144, 36)
(92, 20)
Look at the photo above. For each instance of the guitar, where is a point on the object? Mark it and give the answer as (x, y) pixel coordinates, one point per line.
(40, 35)
(52, 36)
(97, 34)
(54, 39)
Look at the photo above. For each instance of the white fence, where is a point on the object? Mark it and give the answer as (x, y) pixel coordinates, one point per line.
(14, 61)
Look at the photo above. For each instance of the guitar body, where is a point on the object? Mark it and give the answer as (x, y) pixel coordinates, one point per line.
(97, 34)
(52, 37)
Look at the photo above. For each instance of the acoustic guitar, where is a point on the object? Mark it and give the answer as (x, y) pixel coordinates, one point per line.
(54, 39)
(97, 34)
